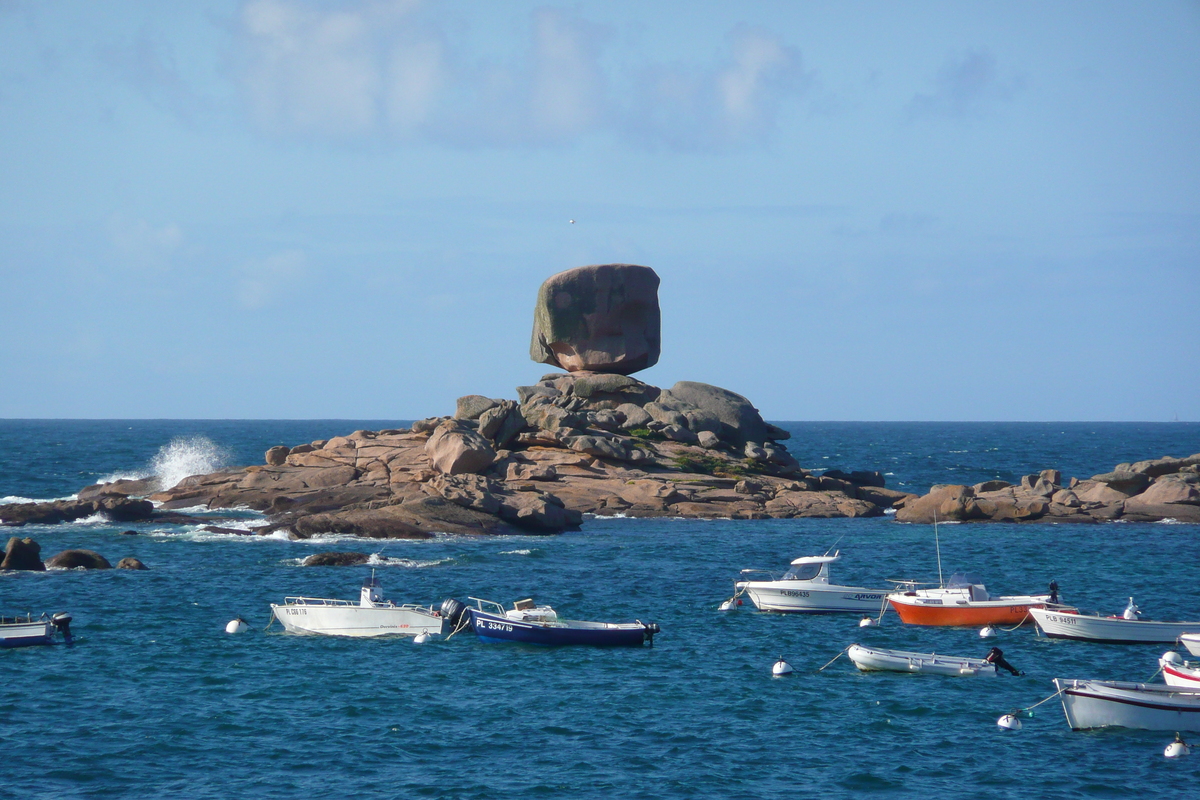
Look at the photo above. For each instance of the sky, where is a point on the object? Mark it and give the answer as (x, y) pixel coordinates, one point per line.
(292, 209)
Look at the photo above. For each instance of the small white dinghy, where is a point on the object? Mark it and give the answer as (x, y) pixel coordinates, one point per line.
(872, 659)
(1177, 672)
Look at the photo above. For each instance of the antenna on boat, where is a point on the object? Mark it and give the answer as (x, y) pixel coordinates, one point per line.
(835, 543)
(938, 546)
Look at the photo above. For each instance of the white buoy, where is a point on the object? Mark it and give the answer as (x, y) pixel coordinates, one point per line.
(1178, 748)
(867, 622)
(987, 631)
(1171, 657)
(237, 626)
(729, 605)
(421, 638)
(1009, 722)
(781, 667)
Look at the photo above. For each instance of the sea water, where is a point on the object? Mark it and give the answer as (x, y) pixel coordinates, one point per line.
(155, 700)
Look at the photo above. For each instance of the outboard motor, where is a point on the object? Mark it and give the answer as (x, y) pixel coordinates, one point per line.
(456, 613)
(1054, 592)
(62, 623)
(996, 656)
(649, 630)
(1132, 611)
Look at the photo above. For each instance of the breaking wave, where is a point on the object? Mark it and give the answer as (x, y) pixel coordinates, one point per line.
(185, 456)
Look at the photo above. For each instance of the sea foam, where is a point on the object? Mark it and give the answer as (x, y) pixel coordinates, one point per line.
(185, 456)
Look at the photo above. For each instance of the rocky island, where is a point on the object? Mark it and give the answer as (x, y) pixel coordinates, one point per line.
(591, 439)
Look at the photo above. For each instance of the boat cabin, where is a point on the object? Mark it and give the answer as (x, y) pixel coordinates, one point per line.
(372, 594)
(812, 569)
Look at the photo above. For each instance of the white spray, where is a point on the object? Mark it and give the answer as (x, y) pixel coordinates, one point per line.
(185, 456)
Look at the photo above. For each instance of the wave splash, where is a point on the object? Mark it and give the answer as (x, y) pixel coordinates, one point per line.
(185, 456)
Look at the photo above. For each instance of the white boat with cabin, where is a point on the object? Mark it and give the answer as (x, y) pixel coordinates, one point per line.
(1130, 628)
(371, 616)
(805, 588)
(1146, 706)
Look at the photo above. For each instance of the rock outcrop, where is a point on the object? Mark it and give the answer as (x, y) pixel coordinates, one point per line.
(336, 559)
(575, 444)
(110, 504)
(23, 554)
(1148, 491)
(78, 559)
(601, 318)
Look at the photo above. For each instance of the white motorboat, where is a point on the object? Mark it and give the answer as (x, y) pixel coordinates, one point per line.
(1191, 641)
(370, 616)
(805, 588)
(1130, 629)
(1177, 672)
(1147, 706)
(30, 630)
(871, 659)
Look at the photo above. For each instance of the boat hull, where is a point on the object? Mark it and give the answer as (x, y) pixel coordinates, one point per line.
(933, 611)
(1187, 674)
(804, 598)
(1104, 704)
(26, 634)
(870, 659)
(1109, 630)
(495, 628)
(1192, 642)
(358, 621)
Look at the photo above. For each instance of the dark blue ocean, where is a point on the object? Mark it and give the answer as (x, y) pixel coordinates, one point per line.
(155, 700)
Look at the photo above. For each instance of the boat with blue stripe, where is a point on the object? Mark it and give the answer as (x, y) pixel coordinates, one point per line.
(530, 623)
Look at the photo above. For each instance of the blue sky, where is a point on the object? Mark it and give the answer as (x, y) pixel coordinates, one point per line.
(859, 211)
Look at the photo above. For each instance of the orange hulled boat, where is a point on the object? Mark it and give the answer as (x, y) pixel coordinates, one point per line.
(964, 600)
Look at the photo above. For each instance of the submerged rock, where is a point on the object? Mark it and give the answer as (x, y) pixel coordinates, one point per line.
(78, 559)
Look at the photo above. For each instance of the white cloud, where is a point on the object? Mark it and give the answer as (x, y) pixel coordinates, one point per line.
(143, 245)
(264, 280)
(374, 70)
(963, 87)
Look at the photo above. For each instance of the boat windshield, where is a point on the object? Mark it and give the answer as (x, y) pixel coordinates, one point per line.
(963, 580)
(803, 572)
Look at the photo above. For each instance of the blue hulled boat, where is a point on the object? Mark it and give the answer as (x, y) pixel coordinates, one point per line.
(534, 624)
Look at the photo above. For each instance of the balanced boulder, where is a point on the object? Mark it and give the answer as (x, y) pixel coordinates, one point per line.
(599, 318)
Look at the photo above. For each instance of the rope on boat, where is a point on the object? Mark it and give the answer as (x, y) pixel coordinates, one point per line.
(835, 658)
(463, 622)
(269, 624)
(1028, 710)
